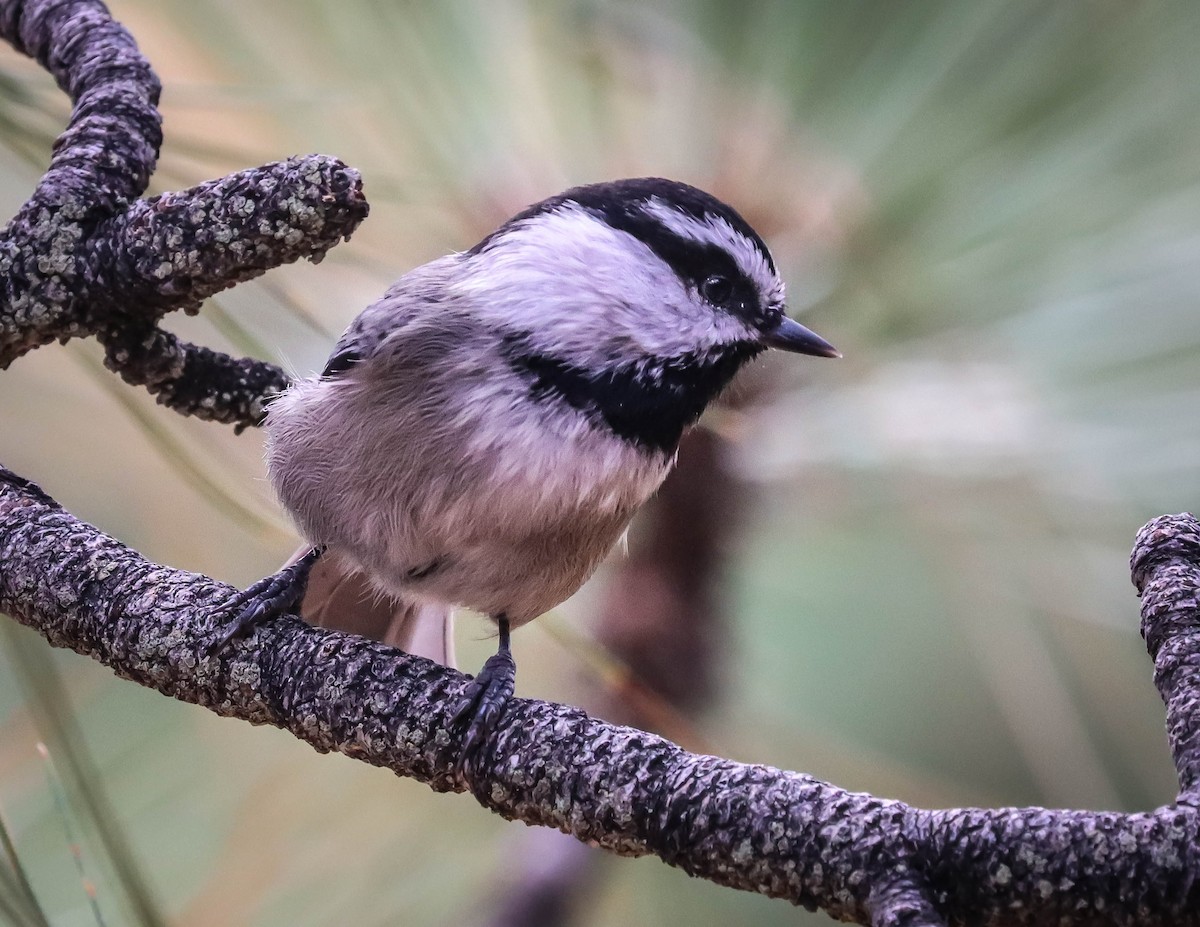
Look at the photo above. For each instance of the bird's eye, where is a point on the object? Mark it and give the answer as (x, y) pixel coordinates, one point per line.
(717, 290)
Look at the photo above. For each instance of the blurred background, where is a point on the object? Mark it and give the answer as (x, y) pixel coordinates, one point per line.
(906, 571)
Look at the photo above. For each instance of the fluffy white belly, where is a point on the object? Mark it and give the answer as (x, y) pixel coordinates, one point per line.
(495, 512)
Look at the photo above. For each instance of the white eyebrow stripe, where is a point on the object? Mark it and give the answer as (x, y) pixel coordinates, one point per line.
(715, 230)
(565, 269)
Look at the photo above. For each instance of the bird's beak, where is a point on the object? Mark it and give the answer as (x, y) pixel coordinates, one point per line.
(790, 335)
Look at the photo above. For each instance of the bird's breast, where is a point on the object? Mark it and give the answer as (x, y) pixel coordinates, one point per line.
(480, 499)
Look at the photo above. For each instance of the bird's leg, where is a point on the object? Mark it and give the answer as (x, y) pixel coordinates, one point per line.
(268, 598)
(487, 695)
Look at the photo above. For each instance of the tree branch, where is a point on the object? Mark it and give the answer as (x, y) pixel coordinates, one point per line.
(84, 256)
(1166, 571)
(750, 827)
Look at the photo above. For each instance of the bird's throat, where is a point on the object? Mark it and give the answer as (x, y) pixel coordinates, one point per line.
(648, 403)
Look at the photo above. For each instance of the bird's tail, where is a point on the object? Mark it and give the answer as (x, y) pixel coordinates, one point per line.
(341, 598)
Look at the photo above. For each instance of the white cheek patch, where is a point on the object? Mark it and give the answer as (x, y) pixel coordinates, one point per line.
(589, 293)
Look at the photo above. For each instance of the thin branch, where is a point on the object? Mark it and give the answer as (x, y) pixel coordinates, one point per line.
(175, 250)
(101, 161)
(191, 379)
(1166, 571)
(110, 147)
(84, 256)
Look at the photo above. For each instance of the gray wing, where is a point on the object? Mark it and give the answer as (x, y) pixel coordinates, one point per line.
(415, 296)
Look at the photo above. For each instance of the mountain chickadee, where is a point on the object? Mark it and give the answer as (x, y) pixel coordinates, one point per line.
(482, 435)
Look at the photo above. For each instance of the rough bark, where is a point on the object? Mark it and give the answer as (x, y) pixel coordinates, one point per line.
(751, 827)
(85, 256)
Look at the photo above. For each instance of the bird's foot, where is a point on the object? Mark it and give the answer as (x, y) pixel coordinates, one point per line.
(268, 598)
(485, 698)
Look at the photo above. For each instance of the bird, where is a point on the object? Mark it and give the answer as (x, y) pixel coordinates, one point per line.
(482, 435)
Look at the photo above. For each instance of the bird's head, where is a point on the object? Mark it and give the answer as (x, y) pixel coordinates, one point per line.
(634, 300)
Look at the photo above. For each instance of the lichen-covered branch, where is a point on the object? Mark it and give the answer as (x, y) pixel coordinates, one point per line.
(101, 161)
(84, 256)
(752, 827)
(175, 250)
(1166, 570)
(105, 157)
(192, 379)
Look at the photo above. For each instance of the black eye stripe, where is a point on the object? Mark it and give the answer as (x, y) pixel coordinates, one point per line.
(693, 261)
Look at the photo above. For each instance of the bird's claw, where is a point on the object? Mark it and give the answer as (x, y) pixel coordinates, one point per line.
(248, 607)
(483, 703)
(268, 598)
